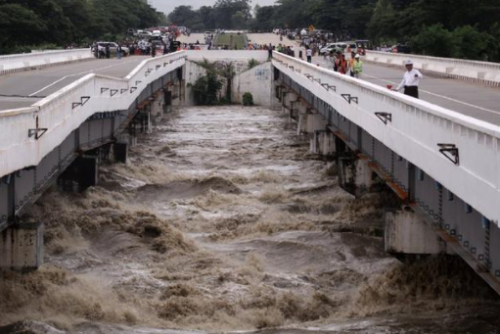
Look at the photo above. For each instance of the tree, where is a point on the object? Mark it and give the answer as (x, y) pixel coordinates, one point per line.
(382, 21)
(225, 11)
(470, 43)
(434, 41)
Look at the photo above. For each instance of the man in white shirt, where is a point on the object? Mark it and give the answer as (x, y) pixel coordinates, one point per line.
(309, 53)
(411, 80)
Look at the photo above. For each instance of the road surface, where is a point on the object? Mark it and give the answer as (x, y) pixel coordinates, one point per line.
(22, 89)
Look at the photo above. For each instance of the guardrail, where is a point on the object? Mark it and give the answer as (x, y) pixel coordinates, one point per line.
(231, 55)
(415, 131)
(478, 71)
(29, 134)
(27, 61)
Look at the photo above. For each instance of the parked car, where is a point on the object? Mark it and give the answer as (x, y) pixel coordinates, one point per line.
(401, 48)
(335, 47)
(363, 45)
(101, 47)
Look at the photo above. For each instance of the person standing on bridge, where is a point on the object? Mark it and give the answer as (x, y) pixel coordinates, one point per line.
(357, 67)
(309, 54)
(411, 80)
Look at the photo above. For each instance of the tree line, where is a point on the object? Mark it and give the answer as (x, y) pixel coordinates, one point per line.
(26, 24)
(450, 28)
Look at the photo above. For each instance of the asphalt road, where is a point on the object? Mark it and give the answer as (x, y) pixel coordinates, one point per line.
(22, 89)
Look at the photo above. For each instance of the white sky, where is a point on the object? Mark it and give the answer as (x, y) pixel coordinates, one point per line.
(168, 5)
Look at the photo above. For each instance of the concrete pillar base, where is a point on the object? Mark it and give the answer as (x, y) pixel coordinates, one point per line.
(82, 174)
(302, 124)
(315, 122)
(288, 99)
(363, 175)
(120, 152)
(323, 143)
(157, 109)
(406, 233)
(355, 175)
(21, 247)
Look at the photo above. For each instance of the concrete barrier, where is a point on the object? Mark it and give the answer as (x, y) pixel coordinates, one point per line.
(414, 132)
(477, 71)
(37, 60)
(56, 116)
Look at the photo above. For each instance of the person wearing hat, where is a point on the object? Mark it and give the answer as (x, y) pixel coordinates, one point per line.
(357, 67)
(411, 80)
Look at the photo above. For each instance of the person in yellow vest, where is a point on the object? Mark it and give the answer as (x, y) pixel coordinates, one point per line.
(351, 63)
(357, 67)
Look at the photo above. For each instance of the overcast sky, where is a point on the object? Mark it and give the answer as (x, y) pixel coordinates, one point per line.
(168, 5)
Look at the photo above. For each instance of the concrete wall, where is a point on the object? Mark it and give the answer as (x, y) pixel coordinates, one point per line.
(257, 81)
(20, 62)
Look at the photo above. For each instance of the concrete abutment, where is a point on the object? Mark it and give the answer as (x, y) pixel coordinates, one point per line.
(21, 247)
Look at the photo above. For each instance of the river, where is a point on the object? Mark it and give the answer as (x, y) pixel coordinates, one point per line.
(222, 222)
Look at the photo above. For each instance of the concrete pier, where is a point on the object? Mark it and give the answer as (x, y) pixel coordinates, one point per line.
(406, 233)
(21, 247)
(120, 152)
(82, 174)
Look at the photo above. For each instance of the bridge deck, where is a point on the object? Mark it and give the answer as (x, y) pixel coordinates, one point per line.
(469, 98)
(16, 88)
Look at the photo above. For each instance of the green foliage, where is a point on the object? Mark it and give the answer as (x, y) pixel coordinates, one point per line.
(464, 42)
(206, 89)
(234, 41)
(225, 14)
(434, 41)
(252, 63)
(470, 43)
(62, 22)
(248, 99)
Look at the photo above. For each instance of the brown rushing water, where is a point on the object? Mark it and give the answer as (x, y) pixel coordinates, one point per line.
(222, 222)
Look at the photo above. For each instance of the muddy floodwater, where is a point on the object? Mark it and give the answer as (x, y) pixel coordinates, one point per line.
(222, 222)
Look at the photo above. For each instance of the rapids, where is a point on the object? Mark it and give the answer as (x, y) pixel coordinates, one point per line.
(222, 222)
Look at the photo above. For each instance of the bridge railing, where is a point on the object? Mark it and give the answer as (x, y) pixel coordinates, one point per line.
(19, 62)
(415, 132)
(29, 134)
(480, 71)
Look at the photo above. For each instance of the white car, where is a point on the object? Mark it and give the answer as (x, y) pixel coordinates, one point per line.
(333, 47)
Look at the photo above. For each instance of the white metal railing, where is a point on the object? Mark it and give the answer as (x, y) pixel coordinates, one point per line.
(64, 111)
(416, 129)
(17, 62)
(460, 68)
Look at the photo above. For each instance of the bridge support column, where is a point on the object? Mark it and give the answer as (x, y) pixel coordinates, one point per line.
(363, 175)
(406, 233)
(288, 100)
(315, 122)
(21, 247)
(355, 175)
(120, 152)
(82, 174)
(323, 143)
(157, 108)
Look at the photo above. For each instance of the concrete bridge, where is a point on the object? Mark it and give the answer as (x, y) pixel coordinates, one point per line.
(442, 163)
